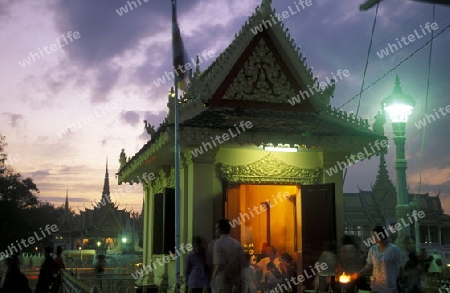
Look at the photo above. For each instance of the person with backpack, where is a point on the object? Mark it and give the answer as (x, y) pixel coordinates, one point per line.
(48, 274)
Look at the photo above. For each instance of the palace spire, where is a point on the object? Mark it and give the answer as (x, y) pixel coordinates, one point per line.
(106, 192)
(66, 205)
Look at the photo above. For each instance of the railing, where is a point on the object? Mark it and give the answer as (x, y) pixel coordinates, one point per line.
(107, 283)
(70, 284)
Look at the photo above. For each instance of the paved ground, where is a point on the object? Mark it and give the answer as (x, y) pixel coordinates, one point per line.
(32, 276)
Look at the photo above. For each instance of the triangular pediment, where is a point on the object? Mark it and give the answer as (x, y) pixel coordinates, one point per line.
(109, 222)
(259, 69)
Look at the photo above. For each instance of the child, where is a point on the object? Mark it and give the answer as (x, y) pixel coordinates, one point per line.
(248, 276)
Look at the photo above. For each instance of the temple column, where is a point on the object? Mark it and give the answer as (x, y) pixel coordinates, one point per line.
(203, 189)
(148, 233)
(330, 160)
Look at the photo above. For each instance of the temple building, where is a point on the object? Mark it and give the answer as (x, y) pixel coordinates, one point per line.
(68, 228)
(366, 208)
(250, 154)
(105, 227)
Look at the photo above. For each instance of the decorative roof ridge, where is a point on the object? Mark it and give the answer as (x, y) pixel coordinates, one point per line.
(313, 81)
(157, 141)
(342, 116)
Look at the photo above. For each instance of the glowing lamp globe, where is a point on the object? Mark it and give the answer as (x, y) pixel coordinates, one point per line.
(398, 105)
(124, 240)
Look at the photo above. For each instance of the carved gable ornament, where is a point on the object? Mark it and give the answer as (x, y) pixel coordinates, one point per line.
(260, 79)
(270, 170)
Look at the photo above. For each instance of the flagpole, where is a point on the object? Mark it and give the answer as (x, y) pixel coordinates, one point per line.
(177, 187)
(178, 60)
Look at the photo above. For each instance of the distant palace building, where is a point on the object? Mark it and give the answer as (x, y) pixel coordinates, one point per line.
(365, 209)
(105, 227)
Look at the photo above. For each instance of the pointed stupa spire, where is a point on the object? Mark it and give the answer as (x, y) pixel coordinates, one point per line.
(383, 183)
(106, 192)
(66, 205)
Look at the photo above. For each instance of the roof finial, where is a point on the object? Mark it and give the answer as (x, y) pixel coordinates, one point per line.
(398, 87)
(197, 66)
(266, 8)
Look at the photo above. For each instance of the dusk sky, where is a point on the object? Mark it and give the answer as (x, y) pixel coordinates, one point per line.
(81, 98)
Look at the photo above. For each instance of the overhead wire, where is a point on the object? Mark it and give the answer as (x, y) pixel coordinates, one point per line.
(365, 68)
(422, 147)
(396, 66)
(367, 58)
(382, 41)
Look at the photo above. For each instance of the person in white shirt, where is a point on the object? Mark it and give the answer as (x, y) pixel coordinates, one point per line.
(384, 261)
(227, 258)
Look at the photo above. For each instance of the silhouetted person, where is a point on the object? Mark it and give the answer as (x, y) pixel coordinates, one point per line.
(289, 269)
(61, 266)
(196, 269)
(100, 266)
(47, 274)
(209, 251)
(409, 280)
(271, 268)
(227, 256)
(13, 280)
(248, 275)
(326, 278)
(59, 259)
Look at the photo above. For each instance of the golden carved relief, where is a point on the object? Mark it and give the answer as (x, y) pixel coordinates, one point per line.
(270, 170)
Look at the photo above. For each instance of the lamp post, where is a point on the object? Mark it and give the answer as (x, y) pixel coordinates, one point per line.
(398, 107)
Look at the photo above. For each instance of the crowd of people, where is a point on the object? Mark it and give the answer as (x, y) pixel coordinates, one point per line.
(384, 268)
(224, 267)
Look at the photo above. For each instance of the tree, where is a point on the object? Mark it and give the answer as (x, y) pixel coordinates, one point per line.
(21, 212)
(17, 197)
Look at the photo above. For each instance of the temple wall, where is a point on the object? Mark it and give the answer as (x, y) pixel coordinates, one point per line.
(202, 199)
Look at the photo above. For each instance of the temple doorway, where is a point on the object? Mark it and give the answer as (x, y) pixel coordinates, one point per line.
(297, 219)
(264, 214)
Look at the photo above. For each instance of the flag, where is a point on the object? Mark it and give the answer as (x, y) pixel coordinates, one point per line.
(179, 53)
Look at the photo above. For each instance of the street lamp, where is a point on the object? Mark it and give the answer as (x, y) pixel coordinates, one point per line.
(398, 107)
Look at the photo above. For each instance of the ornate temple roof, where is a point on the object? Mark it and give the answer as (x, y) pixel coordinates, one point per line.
(378, 205)
(262, 78)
